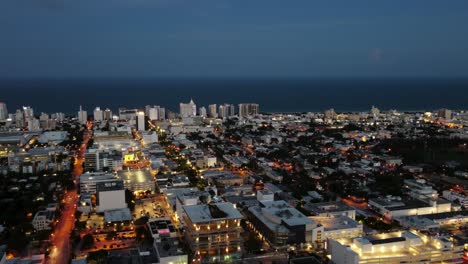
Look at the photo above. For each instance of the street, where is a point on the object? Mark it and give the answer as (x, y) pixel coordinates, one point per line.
(60, 239)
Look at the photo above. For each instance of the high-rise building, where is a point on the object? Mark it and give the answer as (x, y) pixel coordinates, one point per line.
(107, 114)
(59, 117)
(161, 113)
(212, 110)
(28, 112)
(248, 110)
(3, 111)
(188, 110)
(330, 113)
(226, 110)
(375, 111)
(82, 116)
(445, 114)
(141, 121)
(127, 114)
(44, 117)
(98, 114)
(19, 118)
(232, 110)
(202, 111)
(34, 124)
(153, 113)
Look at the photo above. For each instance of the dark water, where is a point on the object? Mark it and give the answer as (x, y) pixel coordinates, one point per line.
(272, 95)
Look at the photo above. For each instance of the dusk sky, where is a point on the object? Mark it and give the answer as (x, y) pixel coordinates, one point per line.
(233, 38)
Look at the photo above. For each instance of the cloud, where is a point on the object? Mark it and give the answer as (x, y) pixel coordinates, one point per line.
(376, 55)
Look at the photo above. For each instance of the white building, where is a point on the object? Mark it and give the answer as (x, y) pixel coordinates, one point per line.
(188, 110)
(337, 227)
(153, 113)
(418, 189)
(394, 208)
(453, 196)
(141, 121)
(213, 110)
(98, 114)
(248, 110)
(110, 196)
(203, 112)
(149, 137)
(226, 110)
(43, 220)
(265, 196)
(397, 247)
(82, 116)
(89, 181)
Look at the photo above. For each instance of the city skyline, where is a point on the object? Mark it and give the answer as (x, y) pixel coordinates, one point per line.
(272, 95)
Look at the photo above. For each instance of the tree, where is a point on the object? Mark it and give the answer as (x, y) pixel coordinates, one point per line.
(143, 235)
(253, 244)
(111, 235)
(17, 241)
(130, 199)
(87, 241)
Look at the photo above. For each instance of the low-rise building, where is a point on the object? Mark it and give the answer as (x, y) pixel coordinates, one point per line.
(43, 220)
(456, 197)
(110, 196)
(338, 227)
(89, 181)
(137, 180)
(398, 247)
(330, 209)
(391, 208)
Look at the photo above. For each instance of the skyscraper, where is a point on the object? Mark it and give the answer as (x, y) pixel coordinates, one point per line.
(107, 114)
(28, 112)
(248, 110)
(153, 113)
(212, 110)
(202, 111)
(3, 111)
(445, 114)
(161, 113)
(98, 114)
(226, 110)
(188, 110)
(375, 111)
(141, 121)
(82, 116)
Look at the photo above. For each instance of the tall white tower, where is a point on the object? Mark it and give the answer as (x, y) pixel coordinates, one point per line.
(141, 121)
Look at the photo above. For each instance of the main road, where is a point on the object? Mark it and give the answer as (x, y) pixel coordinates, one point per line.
(61, 237)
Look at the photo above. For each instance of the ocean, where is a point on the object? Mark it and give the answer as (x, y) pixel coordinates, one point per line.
(272, 95)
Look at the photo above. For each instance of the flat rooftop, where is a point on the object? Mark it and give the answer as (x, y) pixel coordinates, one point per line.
(135, 176)
(202, 214)
(96, 176)
(119, 215)
(335, 223)
(438, 216)
(327, 207)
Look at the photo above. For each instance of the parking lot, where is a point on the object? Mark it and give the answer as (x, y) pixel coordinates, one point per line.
(150, 207)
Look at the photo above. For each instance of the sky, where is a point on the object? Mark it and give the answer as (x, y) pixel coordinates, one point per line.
(233, 38)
